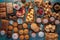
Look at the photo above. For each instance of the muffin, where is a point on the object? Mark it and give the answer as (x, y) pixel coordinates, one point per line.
(15, 24)
(25, 25)
(21, 37)
(26, 31)
(15, 29)
(21, 32)
(35, 27)
(27, 37)
(10, 27)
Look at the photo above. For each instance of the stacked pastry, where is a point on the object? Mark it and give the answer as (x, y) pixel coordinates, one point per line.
(3, 10)
(30, 16)
(9, 8)
(51, 36)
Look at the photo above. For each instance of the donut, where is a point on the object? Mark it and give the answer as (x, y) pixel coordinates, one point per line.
(33, 35)
(15, 36)
(45, 21)
(21, 31)
(26, 31)
(10, 27)
(2, 32)
(27, 37)
(57, 21)
(52, 18)
(25, 25)
(20, 21)
(21, 37)
(15, 24)
(38, 20)
(15, 29)
(41, 34)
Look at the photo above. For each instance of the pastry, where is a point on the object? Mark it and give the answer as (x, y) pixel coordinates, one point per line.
(15, 24)
(33, 35)
(20, 26)
(9, 8)
(57, 21)
(2, 32)
(5, 23)
(2, 14)
(20, 21)
(45, 21)
(38, 20)
(2, 9)
(26, 31)
(16, 6)
(52, 36)
(15, 29)
(10, 27)
(27, 37)
(21, 37)
(50, 28)
(20, 12)
(15, 36)
(41, 34)
(52, 19)
(30, 16)
(25, 25)
(2, 4)
(35, 27)
(11, 22)
(21, 32)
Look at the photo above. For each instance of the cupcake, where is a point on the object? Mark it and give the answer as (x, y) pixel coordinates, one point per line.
(15, 29)
(15, 24)
(35, 27)
(25, 25)
(21, 32)
(27, 37)
(26, 31)
(15, 36)
(21, 37)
